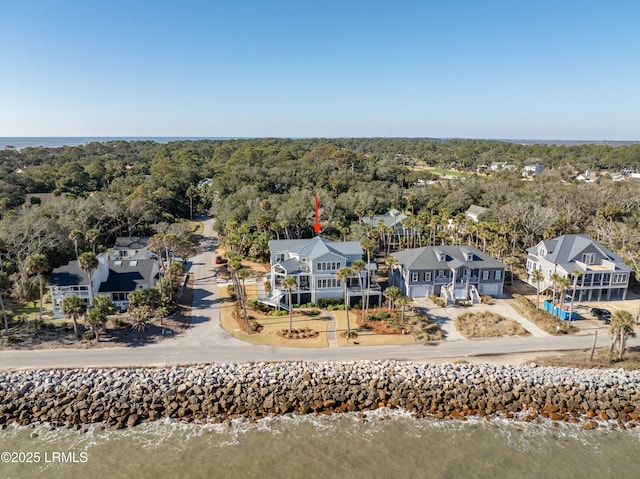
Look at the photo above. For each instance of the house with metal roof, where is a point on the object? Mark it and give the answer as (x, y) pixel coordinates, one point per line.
(599, 274)
(314, 263)
(452, 272)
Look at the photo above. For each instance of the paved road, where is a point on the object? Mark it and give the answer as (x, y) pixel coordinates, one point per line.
(207, 342)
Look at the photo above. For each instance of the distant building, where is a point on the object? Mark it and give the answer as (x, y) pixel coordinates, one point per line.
(532, 170)
(474, 212)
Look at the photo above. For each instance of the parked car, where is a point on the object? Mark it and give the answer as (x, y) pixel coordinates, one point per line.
(220, 260)
(602, 314)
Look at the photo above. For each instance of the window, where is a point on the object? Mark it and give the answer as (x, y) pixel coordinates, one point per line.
(440, 273)
(427, 276)
(485, 275)
(619, 278)
(469, 256)
(414, 277)
(279, 257)
(119, 296)
(498, 275)
(329, 283)
(588, 258)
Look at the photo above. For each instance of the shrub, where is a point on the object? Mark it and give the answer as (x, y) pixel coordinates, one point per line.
(543, 319)
(278, 312)
(326, 302)
(254, 325)
(311, 312)
(437, 300)
(378, 315)
(88, 335)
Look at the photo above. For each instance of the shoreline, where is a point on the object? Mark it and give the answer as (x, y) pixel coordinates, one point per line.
(213, 393)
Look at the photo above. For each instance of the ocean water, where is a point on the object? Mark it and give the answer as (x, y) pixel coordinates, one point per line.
(378, 445)
(56, 142)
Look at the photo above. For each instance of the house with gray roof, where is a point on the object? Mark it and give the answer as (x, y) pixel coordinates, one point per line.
(474, 212)
(601, 274)
(132, 247)
(394, 221)
(314, 263)
(452, 272)
(115, 277)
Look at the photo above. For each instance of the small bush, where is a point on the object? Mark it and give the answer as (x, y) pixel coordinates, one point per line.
(326, 302)
(254, 325)
(335, 307)
(378, 315)
(88, 335)
(278, 312)
(311, 312)
(437, 300)
(543, 319)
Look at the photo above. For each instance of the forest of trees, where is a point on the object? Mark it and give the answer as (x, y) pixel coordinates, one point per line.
(265, 188)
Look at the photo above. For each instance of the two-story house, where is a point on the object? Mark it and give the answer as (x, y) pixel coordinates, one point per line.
(452, 272)
(601, 274)
(314, 263)
(127, 267)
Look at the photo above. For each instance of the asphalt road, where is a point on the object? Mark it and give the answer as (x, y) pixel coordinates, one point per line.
(207, 342)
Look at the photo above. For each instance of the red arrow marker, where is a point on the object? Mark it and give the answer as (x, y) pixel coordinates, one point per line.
(316, 225)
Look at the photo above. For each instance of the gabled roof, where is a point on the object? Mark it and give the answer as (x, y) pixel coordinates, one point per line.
(293, 266)
(126, 275)
(131, 242)
(68, 275)
(566, 249)
(426, 258)
(390, 218)
(316, 247)
(476, 210)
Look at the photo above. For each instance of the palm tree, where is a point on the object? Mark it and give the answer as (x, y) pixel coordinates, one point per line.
(92, 236)
(88, 262)
(75, 236)
(554, 278)
(620, 328)
(344, 274)
(391, 263)
(563, 284)
(537, 275)
(368, 244)
(392, 293)
(98, 314)
(38, 264)
(403, 301)
(575, 274)
(73, 307)
(290, 282)
(4, 287)
(358, 267)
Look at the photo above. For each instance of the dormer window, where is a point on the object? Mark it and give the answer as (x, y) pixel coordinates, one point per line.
(589, 258)
(469, 256)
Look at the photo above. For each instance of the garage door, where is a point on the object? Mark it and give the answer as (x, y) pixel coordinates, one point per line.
(420, 291)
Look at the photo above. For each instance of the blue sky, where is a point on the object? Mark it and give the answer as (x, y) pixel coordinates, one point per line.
(466, 69)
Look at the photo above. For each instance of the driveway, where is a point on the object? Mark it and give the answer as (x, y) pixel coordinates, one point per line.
(445, 316)
(206, 342)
